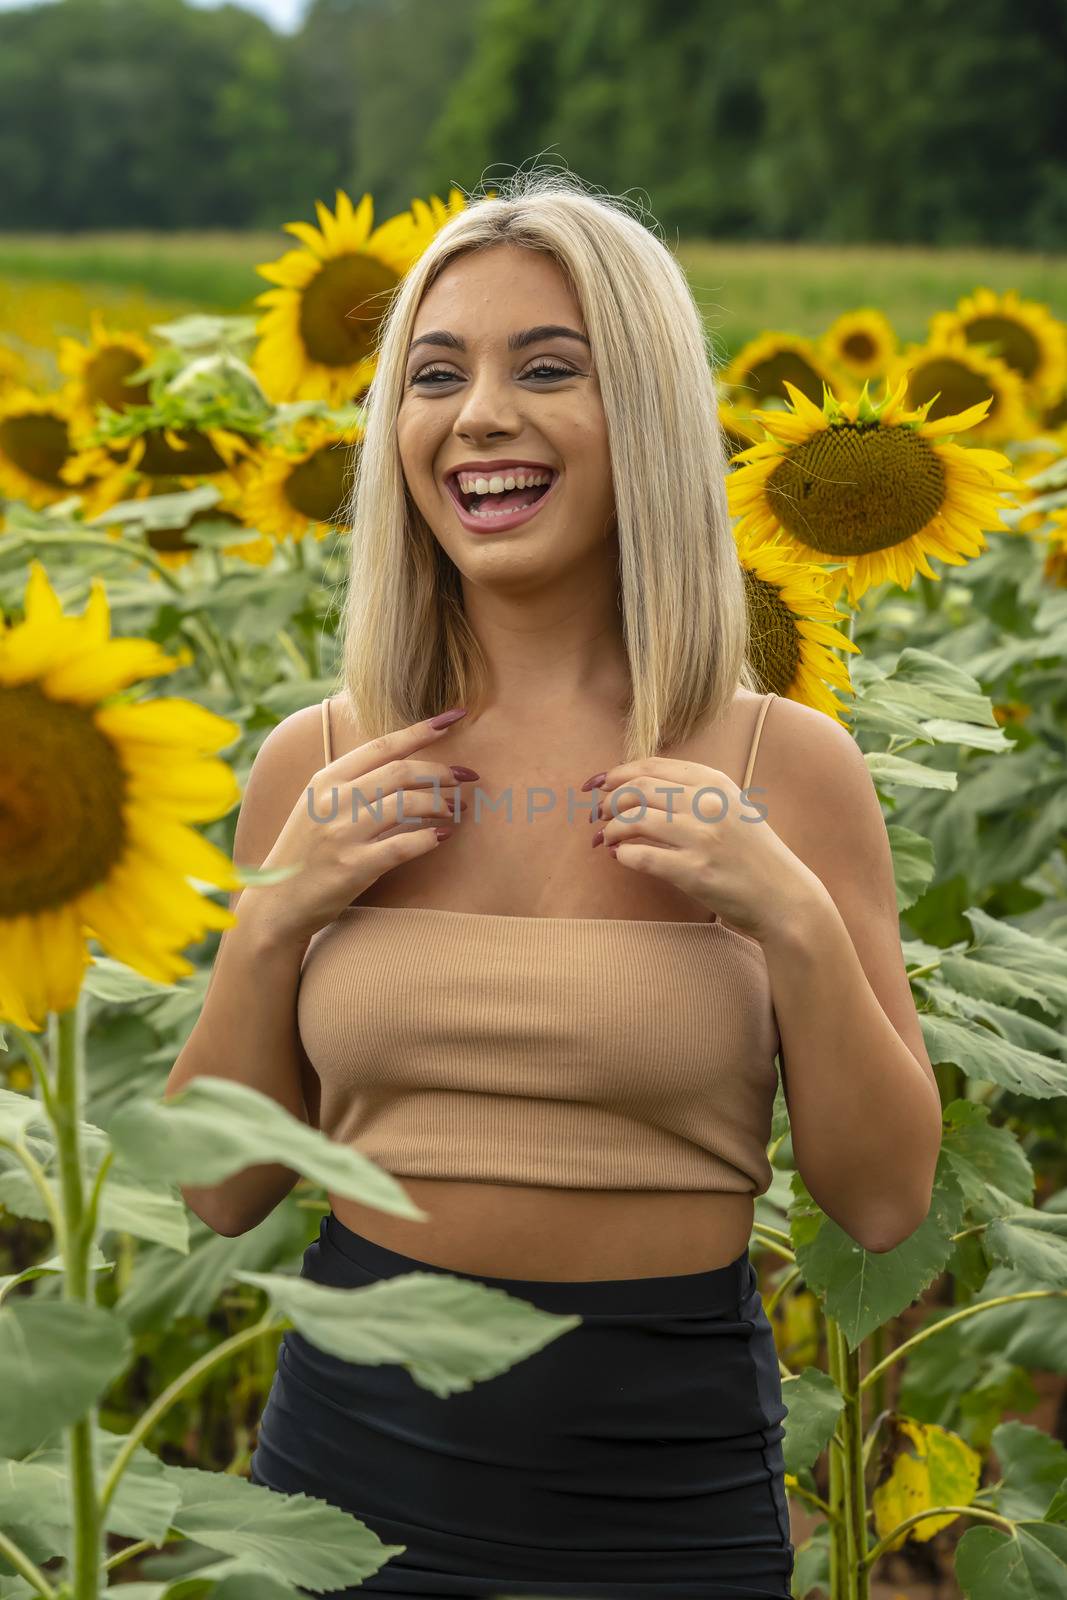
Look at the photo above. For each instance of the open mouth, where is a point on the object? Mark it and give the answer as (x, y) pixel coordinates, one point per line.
(504, 501)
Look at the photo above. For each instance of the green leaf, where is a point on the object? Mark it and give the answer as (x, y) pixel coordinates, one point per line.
(944, 731)
(1036, 967)
(1033, 1468)
(141, 1507)
(296, 1538)
(1031, 1332)
(161, 1291)
(815, 1403)
(981, 1054)
(1030, 1563)
(1034, 1243)
(862, 1289)
(886, 769)
(214, 1128)
(57, 1358)
(913, 863)
(448, 1332)
(116, 984)
(54, 1266)
(984, 1158)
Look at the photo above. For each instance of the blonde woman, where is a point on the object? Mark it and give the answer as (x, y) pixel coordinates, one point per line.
(547, 982)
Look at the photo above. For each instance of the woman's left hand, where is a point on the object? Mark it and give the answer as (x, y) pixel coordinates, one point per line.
(689, 825)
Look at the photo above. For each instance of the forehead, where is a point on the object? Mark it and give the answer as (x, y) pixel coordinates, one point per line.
(505, 285)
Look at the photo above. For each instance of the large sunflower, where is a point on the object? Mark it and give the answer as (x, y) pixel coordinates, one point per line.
(34, 447)
(96, 794)
(863, 342)
(319, 335)
(99, 370)
(765, 367)
(131, 469)
(952, 375)
(869, 485)
(301, 483)
(1023, 333)
(790, 619)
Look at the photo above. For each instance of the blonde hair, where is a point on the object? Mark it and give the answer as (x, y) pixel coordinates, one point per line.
(407, 649)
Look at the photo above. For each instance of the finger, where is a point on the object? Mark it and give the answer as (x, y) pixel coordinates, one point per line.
(401, 742)
(655, 827)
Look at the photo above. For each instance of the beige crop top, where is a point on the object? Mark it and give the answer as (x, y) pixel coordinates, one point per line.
(574, 1052)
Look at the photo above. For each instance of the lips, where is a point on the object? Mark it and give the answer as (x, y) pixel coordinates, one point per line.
(503, 520)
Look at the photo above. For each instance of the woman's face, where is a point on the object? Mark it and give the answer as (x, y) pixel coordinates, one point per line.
(470, 399)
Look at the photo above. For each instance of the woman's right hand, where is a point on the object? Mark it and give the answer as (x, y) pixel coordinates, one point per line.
(338, 833)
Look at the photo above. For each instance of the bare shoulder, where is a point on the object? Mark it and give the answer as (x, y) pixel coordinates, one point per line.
(285, 763)
(815, 782)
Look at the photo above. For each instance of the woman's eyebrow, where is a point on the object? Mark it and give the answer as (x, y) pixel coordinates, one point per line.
(516, 341)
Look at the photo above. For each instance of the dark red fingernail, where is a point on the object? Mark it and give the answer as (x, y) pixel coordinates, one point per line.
(464, 774)
(597, 837)
(448, 716)
(594, 781)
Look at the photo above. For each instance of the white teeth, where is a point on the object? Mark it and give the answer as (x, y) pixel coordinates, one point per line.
(471, 483)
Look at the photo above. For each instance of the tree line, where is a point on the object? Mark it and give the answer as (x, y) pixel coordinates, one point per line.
(944, 123)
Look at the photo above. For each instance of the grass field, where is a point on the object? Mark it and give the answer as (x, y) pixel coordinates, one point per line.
(742, 289)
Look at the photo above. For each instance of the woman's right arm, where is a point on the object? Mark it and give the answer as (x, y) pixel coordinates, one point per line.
(247, 1028)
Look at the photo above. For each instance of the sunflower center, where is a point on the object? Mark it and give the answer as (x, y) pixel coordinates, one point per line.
(342, 307)
(959, 387)
(1056, 415)
(37, 444)
(774, 649)
(766, 378)
(317, 487)
(161, 459)
(61, 803)
(857, 487)
(105, 379)
(1015, 344)
(859, 346)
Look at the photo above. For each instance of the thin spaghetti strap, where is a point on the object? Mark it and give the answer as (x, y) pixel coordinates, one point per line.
(747, 779)
(326, 731)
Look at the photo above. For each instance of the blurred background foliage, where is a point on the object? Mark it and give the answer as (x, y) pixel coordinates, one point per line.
(942, 124)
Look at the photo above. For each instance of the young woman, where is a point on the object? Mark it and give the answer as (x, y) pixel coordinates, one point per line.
(557, 1024)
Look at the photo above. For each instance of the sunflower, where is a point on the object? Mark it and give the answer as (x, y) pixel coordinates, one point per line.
(763, 369)
(302, 483)
(738, 427)
(318, 338)
(952, 375)
(34, 446)
(1030, 459)
(862, 342)
(12, 370)
(791, 613)
(134, 468)
(1054, 569)
(1023, 333)
(96, 794)
(1055, 415)
(869, 485)
(99, 371)
(176, 545)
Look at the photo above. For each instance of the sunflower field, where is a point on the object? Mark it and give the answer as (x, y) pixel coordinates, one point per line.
(173, 513)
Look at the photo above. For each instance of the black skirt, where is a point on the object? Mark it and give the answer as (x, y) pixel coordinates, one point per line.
(637, 1456)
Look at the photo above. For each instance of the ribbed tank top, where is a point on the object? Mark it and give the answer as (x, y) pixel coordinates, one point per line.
(571, 1052)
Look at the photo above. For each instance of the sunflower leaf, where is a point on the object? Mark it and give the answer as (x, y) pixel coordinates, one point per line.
(214, 1128)
(448, 1332)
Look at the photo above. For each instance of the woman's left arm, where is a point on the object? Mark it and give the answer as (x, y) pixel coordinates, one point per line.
(864, 1106)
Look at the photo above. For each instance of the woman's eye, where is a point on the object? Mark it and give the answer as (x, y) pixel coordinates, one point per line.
(551, 368)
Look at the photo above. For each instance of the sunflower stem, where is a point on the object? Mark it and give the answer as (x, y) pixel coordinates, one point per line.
(932, 591)
(838, 1496)
(86, 1521)
(22, 1564)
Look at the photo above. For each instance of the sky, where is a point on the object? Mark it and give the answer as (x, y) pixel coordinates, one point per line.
(283, 14)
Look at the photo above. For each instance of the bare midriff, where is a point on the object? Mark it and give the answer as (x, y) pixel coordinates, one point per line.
(511, 1230)
(507, 1230)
